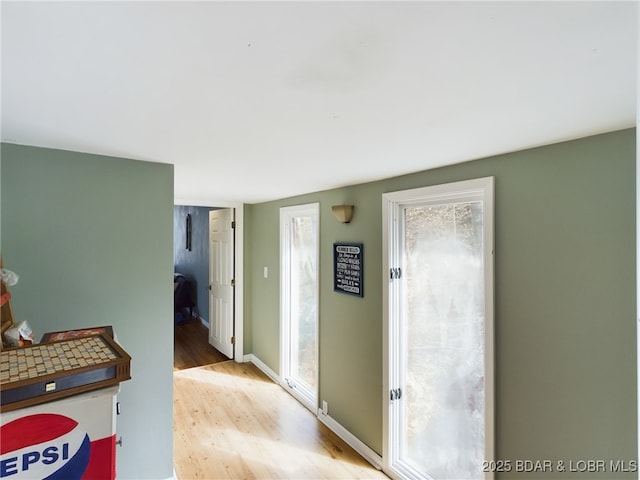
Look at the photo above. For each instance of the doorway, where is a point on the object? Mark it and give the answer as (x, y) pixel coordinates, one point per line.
(194, 263)
(438, 349)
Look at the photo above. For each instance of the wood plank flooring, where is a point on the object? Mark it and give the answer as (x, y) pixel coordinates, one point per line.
(232, 422)
(191, 346)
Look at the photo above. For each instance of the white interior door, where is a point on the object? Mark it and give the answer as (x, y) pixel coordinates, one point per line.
(221, 280)
(439, 331)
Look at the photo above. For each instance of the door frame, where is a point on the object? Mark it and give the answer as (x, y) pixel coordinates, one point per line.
(390, 239)
(238, 305)
(285, 319)
(238, 268)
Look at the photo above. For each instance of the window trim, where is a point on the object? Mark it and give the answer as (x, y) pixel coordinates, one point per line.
(301, 393)
(392, 203)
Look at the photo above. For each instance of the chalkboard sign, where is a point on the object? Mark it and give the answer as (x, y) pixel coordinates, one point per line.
(347, 268)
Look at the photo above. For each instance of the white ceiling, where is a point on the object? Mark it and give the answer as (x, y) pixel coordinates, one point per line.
(253, 101)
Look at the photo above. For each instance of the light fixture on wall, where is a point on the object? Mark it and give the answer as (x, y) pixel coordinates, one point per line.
(343, 213)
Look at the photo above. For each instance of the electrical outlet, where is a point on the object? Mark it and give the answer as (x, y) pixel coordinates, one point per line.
(265, 272)
(325, 408)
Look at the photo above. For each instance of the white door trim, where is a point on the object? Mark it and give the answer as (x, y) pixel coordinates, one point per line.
(238, 208)
(305, 396)
(390, 238)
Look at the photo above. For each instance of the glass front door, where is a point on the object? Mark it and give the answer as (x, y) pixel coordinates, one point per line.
(440, 298)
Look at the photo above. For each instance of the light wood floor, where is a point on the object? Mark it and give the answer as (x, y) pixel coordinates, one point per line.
(191, 346)
(232, 422)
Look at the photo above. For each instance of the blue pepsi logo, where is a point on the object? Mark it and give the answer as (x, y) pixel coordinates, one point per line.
(43, 446)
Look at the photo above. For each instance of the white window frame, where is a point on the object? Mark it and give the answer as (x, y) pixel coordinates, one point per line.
(392, 203)
(308, 398)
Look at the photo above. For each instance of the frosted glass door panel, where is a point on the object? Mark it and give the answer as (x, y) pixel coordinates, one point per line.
(443, 337)
(299, 287)
(304, 302)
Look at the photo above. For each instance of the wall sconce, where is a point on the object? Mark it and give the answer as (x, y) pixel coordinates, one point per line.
(343, 213)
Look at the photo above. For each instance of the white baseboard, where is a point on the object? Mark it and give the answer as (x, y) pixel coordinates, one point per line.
(262, 366)
(202, 320)
(369, 455)
(354, 442)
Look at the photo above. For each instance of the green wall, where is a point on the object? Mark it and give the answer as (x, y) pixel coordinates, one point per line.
(91, 238)
(565, 326)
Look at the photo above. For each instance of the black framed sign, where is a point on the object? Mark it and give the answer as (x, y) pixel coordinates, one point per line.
(348, 268)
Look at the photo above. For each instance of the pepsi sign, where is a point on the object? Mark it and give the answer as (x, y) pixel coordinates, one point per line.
(44, 446)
